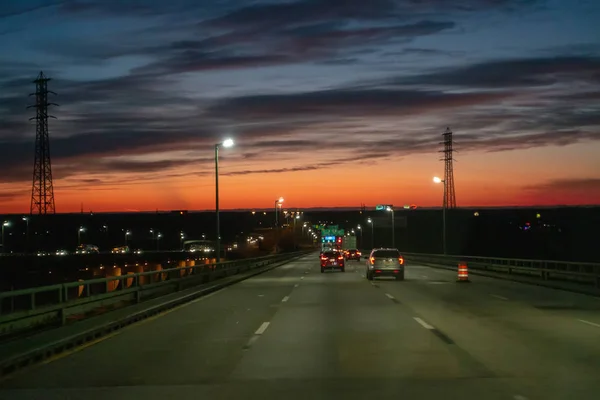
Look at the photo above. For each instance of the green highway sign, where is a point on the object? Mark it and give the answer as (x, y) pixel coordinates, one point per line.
(332, 232)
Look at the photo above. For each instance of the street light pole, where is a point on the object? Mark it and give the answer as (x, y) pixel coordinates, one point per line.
(444, 205)
(278, 202)
(26, 234)
(370, 221)
(226, 143)
(79, 235)
(4, 225)
(359, 244)
(393, 228)
(444, 220)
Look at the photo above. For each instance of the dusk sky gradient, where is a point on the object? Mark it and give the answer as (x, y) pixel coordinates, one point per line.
(330, 102)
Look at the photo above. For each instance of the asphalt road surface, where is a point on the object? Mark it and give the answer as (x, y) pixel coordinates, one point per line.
(294, 333)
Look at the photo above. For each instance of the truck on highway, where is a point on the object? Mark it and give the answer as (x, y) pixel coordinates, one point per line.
(349, 242)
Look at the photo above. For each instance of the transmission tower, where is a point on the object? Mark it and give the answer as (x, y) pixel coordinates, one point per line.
(42, 191)
(449, 193)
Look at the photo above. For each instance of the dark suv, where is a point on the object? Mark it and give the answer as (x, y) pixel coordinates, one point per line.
(332, 260)
(385, 262)
(353, 254)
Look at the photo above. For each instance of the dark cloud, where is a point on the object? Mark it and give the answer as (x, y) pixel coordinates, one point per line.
(271, 15)
(13, 8)
(9, 195)
(348, 102)
(286, 46)
(274, 15)
(130, 7)
(588, 188)
(501, 141)
(271, 171)
(530, 72)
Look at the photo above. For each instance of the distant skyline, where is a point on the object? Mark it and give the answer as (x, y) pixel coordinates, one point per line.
(330, 103)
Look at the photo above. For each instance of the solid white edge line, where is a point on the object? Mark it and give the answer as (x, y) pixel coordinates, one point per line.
(423, 323)
(589, 323)
(389, 296)
(286, 298)
(499, 297)
(262, 328)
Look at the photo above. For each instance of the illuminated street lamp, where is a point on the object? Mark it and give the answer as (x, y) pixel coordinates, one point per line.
(278, 204)
(391, 209)
(182, 236)
(158, 236)
(370, 221)
(438, 180)
(81, 229)
(5, 224)
(226, 143)
(127, 233)
(26, 234)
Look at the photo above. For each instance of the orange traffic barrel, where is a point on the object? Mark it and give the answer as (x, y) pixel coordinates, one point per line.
(463, 272)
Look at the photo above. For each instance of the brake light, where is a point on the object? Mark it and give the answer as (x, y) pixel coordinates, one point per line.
(358, 253)
(372, 260)
(401, 260)
(340, 257)
(323, 258)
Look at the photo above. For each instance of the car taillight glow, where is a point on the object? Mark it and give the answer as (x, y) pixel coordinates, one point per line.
(340, 257)
(401, 260)
(372, 260)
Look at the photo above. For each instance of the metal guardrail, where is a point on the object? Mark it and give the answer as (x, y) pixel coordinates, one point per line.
(56, 302)
(581, 272)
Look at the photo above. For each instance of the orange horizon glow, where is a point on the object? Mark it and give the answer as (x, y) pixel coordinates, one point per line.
(404, 181)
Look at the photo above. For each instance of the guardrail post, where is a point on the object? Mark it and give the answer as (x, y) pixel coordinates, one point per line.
(62, 315)
(545, 274)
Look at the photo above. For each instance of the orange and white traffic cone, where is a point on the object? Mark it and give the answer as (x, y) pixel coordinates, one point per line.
(463, 272)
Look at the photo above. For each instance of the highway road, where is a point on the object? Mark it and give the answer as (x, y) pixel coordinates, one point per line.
(294, 333)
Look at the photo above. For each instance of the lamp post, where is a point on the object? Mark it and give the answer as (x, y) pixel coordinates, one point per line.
(158, 236)
(81, 229)
(278, 203)
(182, 236)
(391, 209)
(127, 233)
(443, 181)
(359, 228)
(26, 234)
(5, 224)
(226, 143)
(370, 221)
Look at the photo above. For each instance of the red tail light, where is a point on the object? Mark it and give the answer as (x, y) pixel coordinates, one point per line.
(401, 260)
(372, 260)
(323, 258)
(340, 257)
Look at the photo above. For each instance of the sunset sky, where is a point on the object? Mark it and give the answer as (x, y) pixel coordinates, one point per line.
(330, 102)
